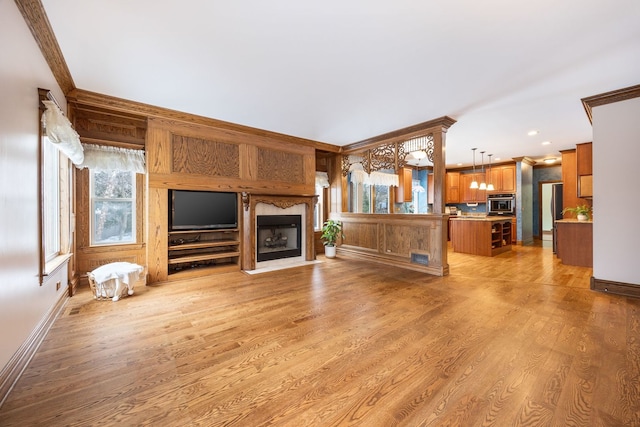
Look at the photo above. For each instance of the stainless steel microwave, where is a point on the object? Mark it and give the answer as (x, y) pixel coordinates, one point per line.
(501, 204)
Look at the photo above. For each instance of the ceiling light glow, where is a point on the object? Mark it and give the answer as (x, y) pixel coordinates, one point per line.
(533, 132)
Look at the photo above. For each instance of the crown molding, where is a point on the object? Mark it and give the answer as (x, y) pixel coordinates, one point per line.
(609, 98)
(38, 22)
(441, 124)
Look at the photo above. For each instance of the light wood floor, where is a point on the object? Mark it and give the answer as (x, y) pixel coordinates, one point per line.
(514, 340)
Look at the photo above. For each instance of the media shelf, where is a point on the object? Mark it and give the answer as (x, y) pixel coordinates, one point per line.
(192, 251)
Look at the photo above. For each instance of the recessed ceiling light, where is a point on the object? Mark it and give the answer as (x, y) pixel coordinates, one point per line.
(550, 160)
(533, 132)
(546, 142)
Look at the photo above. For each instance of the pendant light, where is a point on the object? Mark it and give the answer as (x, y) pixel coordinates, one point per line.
(483, 185)
(474, 183)
(490, 185)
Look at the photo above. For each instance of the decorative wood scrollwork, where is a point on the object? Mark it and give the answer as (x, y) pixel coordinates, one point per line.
(382, 157)
(389, 156)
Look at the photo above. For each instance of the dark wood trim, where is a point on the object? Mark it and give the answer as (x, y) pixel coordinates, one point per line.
(38, 22)
(21, 358)
(444, 122)
(82, 99)
(609, 98)
(616, 288)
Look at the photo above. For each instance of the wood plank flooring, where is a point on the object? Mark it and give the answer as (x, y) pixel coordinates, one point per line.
(513, 340)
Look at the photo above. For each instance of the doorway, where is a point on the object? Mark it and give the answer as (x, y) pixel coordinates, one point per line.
(545, 216)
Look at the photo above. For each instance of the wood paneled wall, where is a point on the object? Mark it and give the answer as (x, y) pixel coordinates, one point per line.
(394, 239)
(193, 156)
(183, 151)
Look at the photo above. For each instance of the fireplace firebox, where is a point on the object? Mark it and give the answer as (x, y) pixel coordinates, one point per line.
(278, 236)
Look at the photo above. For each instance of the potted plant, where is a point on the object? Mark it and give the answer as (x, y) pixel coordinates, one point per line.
(582, 212)
(331, 229)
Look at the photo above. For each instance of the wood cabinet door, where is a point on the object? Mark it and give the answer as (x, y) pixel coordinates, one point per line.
(472, 195)
(508, 179)
(452, 187)
(584, 159)
(405, 190)
(503, 179)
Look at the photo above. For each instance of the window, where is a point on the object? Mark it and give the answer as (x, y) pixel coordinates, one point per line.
(51, 200)
(318, 217)
(366, 198)
(113, 207)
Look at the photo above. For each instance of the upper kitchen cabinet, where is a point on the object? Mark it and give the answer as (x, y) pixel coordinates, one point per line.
(472, 195)
(404, 192)
(584, 168)
(452, 187)
(503, 179)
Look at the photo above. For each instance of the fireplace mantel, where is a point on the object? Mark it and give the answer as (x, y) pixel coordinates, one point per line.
(249, 203)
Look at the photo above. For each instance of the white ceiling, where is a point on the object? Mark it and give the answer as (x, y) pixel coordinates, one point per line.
(341, 71)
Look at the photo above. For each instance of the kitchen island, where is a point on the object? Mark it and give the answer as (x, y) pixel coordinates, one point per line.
(481, 235)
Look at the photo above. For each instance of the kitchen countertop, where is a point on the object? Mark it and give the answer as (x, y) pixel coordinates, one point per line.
(480, 218)
(573, 221)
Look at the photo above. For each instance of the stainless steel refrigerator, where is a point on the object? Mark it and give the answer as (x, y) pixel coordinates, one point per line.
(556, 209)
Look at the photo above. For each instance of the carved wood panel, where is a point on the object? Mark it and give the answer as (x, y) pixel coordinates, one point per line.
(204, 157)
(280, 166)
(364, 235)
(403, 239)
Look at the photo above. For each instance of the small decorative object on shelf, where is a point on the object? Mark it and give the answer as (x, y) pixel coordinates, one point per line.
(582, 212)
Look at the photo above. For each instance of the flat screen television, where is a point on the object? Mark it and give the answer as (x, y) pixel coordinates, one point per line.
(202, 210)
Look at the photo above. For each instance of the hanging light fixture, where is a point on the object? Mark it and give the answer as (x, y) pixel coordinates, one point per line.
(483, 185)
(474, 183)
(490, 185)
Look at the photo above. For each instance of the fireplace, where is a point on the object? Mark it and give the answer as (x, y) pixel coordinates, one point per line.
(278, 236)
(259, 205)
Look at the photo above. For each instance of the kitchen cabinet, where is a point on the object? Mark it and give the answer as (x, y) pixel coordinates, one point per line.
(514, 230)
(570, 194)
(472, 195)
(584, 169)
(405, 190)
(452, 187)
(503, 179)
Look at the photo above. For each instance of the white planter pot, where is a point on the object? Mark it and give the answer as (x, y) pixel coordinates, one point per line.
(330, 251)
(582, 217)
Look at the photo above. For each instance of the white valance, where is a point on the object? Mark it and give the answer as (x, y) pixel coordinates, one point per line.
(358, 175)
(60, 132)
(382, 178)
(100, 157)
(322, 179)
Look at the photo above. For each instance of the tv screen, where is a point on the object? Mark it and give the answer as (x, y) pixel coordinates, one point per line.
(202, 210)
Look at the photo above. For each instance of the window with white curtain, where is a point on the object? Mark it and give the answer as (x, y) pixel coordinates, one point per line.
(113, 207)
(51, 199)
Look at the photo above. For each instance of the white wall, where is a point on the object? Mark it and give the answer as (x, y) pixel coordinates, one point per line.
(616, 194)
(23, 302)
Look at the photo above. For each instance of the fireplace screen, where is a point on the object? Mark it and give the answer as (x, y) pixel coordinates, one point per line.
(278, 236)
